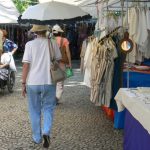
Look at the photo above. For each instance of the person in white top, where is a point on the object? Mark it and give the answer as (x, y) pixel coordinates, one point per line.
(36, 79)
(3, 70)
(8, 60)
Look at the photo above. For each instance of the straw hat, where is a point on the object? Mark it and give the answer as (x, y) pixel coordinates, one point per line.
(37, 28)
(56, 28)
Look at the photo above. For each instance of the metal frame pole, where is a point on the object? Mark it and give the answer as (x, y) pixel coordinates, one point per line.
(122, 11)
(128, 65)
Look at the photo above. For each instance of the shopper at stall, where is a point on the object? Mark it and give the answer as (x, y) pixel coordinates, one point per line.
(36, 80)
(63, 44)
(6, 60)
(8, 45)
(3, 71)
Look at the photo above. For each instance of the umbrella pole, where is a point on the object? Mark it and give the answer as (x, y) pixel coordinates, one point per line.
(128, 68)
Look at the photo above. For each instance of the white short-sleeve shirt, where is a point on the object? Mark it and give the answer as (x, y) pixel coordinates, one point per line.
(37, 55)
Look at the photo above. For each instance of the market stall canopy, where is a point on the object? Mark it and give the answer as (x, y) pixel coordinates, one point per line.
(8, 12)
(74, 2)
(94, 6)
(90, 9)
(117, 3)
(52, 12)
(91, 6)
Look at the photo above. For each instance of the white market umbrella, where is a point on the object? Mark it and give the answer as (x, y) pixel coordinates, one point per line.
(8, 12)
(74, 2)
(52, 12)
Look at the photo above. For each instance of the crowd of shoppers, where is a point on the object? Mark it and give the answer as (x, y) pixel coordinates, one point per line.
(37, 83)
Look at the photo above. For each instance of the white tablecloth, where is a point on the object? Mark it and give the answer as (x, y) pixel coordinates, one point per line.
(137, 102)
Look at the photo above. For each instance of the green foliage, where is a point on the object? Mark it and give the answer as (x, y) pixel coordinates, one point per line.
(23, 4)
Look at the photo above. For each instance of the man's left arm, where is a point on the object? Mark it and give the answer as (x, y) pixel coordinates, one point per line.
(25, 72)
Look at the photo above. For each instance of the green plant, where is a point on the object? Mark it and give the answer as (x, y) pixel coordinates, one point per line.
(21, 5)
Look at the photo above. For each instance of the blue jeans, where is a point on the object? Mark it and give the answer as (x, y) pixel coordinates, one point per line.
(41, 100)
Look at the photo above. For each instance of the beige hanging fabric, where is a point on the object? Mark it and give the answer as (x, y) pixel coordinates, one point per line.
(133, 21)
(82, 54)
(102, 72)
(142, 33)
(139, 26)
(87, 64)
(148, 18)
(1, 42)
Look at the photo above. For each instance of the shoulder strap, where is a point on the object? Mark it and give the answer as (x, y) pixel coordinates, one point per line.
(61, 42)
(51, 50)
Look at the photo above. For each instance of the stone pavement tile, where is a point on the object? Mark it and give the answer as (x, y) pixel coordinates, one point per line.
(78, 124)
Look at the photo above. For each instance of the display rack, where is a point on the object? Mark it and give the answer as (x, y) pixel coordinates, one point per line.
(124, 4)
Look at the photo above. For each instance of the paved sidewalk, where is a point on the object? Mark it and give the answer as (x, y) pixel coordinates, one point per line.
(78, 124)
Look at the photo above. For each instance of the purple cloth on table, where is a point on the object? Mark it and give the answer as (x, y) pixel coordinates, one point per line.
(135, 136)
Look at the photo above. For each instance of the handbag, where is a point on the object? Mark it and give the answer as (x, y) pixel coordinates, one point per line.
(57, 74)
(69, 72)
